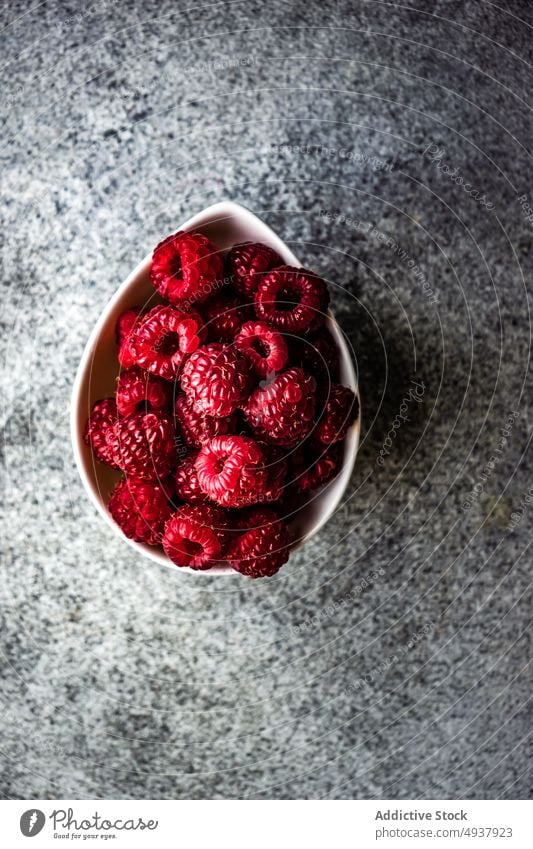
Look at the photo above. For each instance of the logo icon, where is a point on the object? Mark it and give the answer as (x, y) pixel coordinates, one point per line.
(31, 822)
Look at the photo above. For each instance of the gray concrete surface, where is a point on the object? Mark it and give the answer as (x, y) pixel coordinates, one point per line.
(390, 657)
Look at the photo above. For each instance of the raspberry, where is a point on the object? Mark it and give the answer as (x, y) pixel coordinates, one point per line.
(317, 354)
(231, 470)
(141, 508)
(187, 487)
(143, 445)
(264, 347)
(282, 412)
(224, 316)
(196, 536)
(339, 412)
(310, 471)
(140, 392)
(216, 379)
(198, 429)
(248, 263)
(292, 299)
(103, 416)
(123, 332)
(263, 546)
(186, 267)
(164, 339)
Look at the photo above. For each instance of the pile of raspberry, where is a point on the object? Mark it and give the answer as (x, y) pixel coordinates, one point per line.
(227, 414)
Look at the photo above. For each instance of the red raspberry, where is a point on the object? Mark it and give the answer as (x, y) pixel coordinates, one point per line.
(143, 445)
(123, 332)
(231, 470)
(309, 471)
(339, 412)
(263, 546)
(224, 316)
(283, 412)
(216, 379)
(317, 354)
(103, 416)
(187, 486)
(186, 267)
(140, 392)
(292, 299)
(141, 508)
(196, 536)
(264, 347)
(164, 339)
(198, 429)
(248, 263)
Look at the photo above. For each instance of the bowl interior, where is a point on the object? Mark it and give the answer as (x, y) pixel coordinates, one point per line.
(225, 224)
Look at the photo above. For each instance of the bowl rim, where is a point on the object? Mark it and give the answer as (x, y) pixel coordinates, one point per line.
(217, 211)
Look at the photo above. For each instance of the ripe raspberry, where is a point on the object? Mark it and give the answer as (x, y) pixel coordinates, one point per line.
(282, 412)
(263, 546)
(103, 416)
(224, 316)
(164, 339)
(140, 392)
(248, 263)
(196, 536)
(186, 267)
(123, 332)
(216, 379)
(198, 429)
(141, 508)
(231, 470)
(292, 299)
(264, 347)
(317, 354)
(337, 414)
(188, 488)
(310, 470)
(142, 445)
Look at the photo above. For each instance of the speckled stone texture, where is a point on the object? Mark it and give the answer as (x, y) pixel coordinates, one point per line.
(389, 658)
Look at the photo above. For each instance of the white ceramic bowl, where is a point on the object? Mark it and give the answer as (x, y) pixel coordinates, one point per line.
(225, 224)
